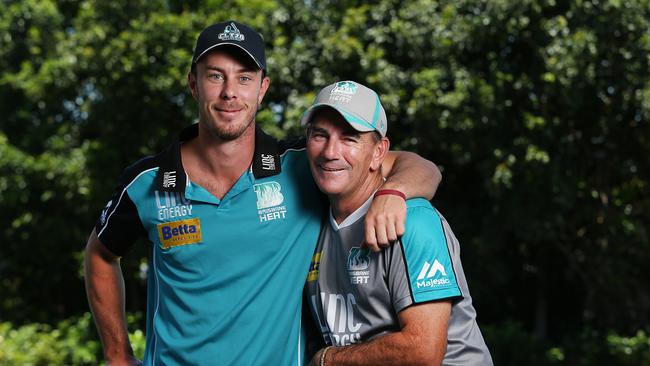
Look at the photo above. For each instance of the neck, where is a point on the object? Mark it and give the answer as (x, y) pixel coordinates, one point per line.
(212, 156)
(343, 206)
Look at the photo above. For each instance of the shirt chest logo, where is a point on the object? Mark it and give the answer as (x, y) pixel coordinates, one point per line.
(358, 264)
(269, 201)
(172, 205)
(182, 232)
(314, 268)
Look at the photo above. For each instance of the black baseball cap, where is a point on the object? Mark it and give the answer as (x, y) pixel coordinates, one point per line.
(231, 33)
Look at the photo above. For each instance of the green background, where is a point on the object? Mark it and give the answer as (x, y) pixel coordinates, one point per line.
(536, 111)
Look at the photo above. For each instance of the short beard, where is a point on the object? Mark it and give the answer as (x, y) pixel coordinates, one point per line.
(228, 134)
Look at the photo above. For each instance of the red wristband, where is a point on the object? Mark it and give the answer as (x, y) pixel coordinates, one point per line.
(393, 192)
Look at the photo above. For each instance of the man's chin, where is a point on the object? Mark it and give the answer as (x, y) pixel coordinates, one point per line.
(228, 134)
(329, 189)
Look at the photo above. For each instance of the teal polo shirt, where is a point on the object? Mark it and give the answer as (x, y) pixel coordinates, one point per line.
(225, 275)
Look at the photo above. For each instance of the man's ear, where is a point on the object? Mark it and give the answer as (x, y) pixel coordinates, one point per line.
(379, 153)
(263, 88)
(191, 81)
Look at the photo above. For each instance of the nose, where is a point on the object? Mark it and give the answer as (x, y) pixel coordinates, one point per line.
(331, 149)
(229, 90)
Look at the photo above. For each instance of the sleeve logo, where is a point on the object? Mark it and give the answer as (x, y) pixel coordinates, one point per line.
(176, 233)
(429, 277)
(104, 215)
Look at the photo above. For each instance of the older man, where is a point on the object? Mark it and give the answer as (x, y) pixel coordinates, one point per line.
(408, 304)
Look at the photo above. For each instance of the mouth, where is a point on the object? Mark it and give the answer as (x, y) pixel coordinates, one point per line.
(228, 109)
(330, 168)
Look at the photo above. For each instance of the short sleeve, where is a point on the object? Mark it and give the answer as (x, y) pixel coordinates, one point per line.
(119, 224)
(427, 262)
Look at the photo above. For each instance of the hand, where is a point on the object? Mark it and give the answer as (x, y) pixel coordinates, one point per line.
(315, 361)
(384, 221)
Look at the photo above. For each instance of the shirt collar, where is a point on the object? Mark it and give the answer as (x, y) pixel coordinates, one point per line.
(353, 217)
(171, 176)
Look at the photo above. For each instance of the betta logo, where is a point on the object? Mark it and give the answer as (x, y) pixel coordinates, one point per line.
(173, 234)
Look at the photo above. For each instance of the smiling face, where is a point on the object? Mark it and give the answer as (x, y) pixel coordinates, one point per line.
(343, 161)
(228, 87)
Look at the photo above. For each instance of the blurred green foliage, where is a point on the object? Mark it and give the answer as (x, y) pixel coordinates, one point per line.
(74, 342)
(70, 342)
(537, 111)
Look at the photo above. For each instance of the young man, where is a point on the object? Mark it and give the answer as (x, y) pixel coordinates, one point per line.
(232, 217)
(406, 305)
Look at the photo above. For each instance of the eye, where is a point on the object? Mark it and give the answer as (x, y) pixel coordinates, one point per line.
(215, 76)
(317, 135)
(245, 78)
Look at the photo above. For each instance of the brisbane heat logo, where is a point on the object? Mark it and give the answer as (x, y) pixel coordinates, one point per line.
(175, 233)
(269, 201)
(343, 92)
(358, 263)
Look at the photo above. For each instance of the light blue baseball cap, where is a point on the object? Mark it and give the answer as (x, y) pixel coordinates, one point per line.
(358, 105)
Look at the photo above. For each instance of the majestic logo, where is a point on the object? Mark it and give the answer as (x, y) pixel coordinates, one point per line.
(175, 233)
(432, 270)
(269, 201)
(358, 263)
(169, 179)
(103, 217)
(429, 271)
(171, 205)
(231, 33)
(314, 267)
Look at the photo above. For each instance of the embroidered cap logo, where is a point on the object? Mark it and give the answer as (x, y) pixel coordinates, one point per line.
(343, 92)
(231, 33)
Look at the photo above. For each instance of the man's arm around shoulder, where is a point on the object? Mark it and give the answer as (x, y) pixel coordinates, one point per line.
(422, 340)
(105, 291)
(405, 172)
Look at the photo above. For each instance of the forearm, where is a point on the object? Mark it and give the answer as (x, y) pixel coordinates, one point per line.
(411, 174)
(105, 291)
(390, 349)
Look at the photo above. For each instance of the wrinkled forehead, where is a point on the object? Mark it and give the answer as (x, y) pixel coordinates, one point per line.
(328, 118)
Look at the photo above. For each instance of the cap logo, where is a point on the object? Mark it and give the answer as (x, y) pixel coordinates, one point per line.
(231, 33)
(343, 91)
(345, 87)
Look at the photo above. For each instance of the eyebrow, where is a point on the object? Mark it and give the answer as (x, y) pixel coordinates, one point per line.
(220, 69)
(350, 132)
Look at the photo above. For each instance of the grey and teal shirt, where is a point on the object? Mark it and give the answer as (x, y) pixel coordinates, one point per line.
(356, 295)
(225, 275)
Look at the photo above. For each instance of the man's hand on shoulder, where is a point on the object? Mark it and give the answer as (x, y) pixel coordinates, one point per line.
(384, 222)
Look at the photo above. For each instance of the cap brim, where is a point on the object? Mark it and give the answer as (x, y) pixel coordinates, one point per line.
(356, 123)
(229, 44)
